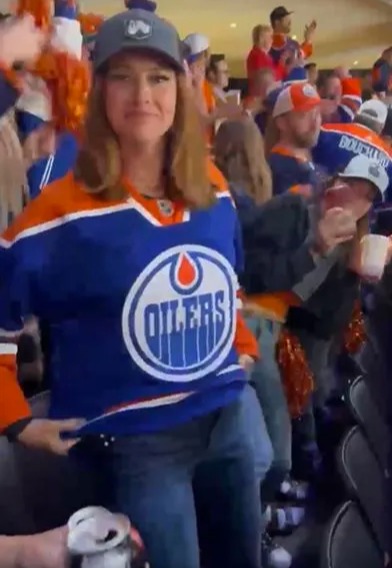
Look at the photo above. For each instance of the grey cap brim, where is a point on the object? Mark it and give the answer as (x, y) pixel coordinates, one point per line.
(137, 30)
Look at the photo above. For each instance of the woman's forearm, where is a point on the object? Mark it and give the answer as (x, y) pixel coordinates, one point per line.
(10, 551)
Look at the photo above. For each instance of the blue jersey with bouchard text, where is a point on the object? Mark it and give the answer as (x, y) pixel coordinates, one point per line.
(339, 143)
(140, 297)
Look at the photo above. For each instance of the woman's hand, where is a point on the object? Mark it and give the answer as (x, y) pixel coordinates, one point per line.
(20, 41)
(39, 144)
(246, 362)
(46, 434)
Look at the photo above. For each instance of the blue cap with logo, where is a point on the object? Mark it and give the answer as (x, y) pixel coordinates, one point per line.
(138, 28)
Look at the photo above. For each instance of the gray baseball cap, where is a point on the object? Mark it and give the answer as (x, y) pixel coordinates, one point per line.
(137, 29)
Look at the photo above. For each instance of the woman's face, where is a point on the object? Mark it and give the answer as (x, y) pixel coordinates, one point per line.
(266, 39)
(140, 98)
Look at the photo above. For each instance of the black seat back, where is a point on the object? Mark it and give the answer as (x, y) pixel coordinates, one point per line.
(348, 541)
(15, 518)
(368, 416)
(365, 480)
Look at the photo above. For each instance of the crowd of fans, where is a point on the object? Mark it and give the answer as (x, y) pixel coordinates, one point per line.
(184, 265)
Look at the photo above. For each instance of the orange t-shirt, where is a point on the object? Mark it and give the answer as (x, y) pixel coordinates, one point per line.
(210, 103)
(209, 97)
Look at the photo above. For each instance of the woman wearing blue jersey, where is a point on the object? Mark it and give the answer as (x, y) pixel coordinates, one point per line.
(132, 263)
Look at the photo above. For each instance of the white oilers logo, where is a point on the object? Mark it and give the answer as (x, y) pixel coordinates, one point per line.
(309, 91)
(138, 29)
(178, 319)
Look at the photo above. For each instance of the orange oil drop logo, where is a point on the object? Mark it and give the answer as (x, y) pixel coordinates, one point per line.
(185, 271)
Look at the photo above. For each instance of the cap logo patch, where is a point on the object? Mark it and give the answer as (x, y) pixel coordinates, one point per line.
(138, 29)
(374, 170)
(309, 91)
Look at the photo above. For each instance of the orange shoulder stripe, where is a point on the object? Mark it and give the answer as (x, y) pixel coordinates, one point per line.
(349, 128)
(67, 197)
(13, 404)
(361, 132)
(305, 190)
(63, 197)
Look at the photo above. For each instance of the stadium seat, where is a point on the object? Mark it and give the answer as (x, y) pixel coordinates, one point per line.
(368, 416)
(15, 518)
(374, 372)
(349, 542)
(365, 480)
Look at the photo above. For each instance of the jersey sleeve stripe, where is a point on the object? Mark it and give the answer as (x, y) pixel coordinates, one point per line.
(13, 335)
(8, 348)
(13, 404)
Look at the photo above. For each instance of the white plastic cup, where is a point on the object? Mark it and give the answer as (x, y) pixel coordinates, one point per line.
(374, 253)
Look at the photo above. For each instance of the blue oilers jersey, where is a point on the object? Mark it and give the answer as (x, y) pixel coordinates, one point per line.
(141, 300)
(339, 143)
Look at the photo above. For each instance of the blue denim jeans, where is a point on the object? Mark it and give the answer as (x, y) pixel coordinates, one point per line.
(268, 384)
(156, 480)
(262, 446)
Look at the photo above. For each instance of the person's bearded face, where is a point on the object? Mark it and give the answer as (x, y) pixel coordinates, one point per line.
(305, 127)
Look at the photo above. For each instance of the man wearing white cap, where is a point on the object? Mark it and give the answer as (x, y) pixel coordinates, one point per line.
(329, 292)
(363, 169)
(198, 47)
(338, 143)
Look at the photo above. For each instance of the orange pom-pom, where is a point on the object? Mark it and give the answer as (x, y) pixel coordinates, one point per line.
(41, 10)
(73, 86)
(355, 333)
(68, 81)
(67, 78)
(45, 66)
(89, 23)
(296, 375)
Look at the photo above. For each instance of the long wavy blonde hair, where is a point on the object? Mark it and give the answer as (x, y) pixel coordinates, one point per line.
(239, 154)
(13, 180)
(99, 165)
